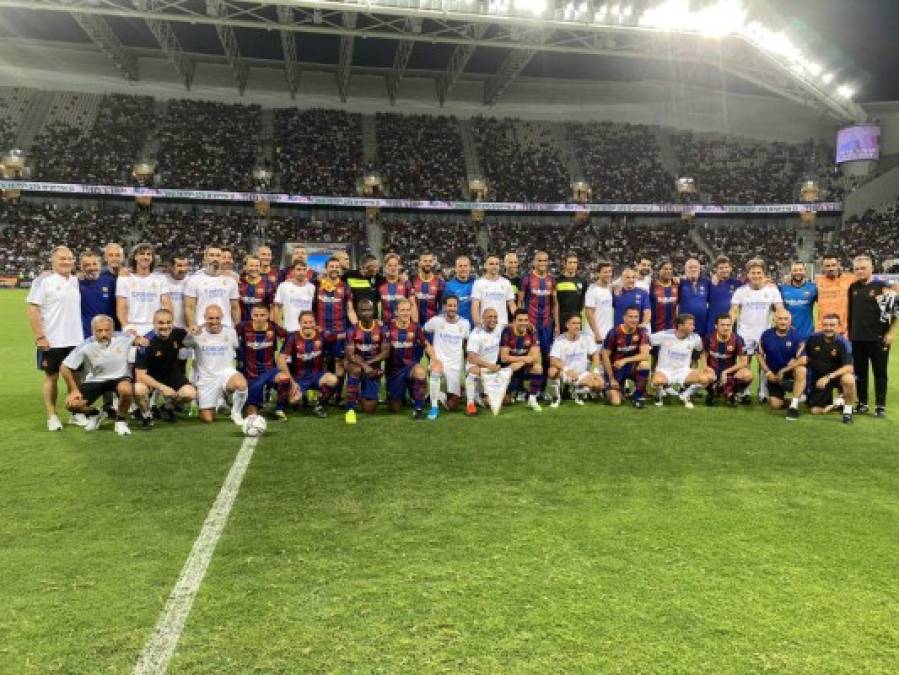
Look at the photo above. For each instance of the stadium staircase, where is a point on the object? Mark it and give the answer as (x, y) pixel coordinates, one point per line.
(883, 189)
(33, 118)
(266, 153)
(374, 238)
(805, 243)
(666, 151)
(697, 238)
(369, 139)
(470, 153)
(151, 146)
(566, 151)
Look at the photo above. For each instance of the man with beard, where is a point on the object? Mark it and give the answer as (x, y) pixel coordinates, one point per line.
(574, 362)
(139, 294)
(833, 292)
(482, 354)
(520, 351)
(725, 362)
(511, 268)
(625, 356)
(159, 367)
(448, 334)
(721, 291)
(173, 289)
(799, 297)
(782, 362)
(331, 301)
(302, 366)
(830, 367)
(598, 303)
(269, 271)
(537, 296)
(663, 298)
(492, 291)
(209, 287)
(97, 290)
(427, 288)
(676, 349)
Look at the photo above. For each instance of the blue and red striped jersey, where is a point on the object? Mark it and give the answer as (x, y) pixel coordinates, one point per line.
(429, 295)
(367, 342)
(663, 304)
(519, 345)
(406, 346)
(272, 275)
(538, 294)
(252, 294)
(256, 348)
(304, 355)
(390, 293)
(722, 354)
(331, 307)
(622, 345)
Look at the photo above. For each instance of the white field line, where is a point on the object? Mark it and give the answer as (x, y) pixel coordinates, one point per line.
(160, 648)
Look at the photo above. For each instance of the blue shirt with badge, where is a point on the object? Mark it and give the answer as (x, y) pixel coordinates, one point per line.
(97, 297)
(693, 298)
(800, 301)
(636, 297)
(720, 295)
(462, 290)
(779, 350)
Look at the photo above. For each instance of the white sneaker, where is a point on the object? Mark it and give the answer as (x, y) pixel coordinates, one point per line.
(577, 400)
(93, 423)
(236, 417)
(121, 428)
(78, 419)
(555, 403)
(533, 404)
(687, 402)
(53, 424)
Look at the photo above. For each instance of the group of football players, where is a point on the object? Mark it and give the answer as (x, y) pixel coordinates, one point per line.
(151, 343)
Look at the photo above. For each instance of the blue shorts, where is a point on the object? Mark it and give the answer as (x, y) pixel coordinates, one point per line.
(334, 348)
(546, 336)
(399, 382)
(370, 388)
(308, 381)
(629, 372)
(256, 386)
(516, 383)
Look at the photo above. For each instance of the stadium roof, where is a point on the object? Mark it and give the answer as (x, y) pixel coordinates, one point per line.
(446, 39)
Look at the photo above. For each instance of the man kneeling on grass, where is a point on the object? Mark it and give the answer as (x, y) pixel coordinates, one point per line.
(104, 356)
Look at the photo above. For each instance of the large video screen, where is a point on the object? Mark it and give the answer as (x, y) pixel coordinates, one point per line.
(858, 143)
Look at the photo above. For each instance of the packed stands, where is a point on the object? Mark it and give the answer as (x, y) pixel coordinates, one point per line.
(420, 156)
(410, 238)
(875, 233)
(741, 242)
(317, 151)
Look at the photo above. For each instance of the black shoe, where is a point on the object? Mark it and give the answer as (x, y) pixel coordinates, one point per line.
(847, 418)
(168, 414)
(792, 414)
(746, 400)
(419, 414)
(711, 401)
(146, 424)
(880, 412)
(732, 400)
(320, 411)
(110, 412)
(861, 409)
(638, 403)
(156, 411)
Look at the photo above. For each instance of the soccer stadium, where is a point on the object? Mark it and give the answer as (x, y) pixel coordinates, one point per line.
(458, 336)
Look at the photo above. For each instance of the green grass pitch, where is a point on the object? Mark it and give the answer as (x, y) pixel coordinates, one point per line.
(580, 540)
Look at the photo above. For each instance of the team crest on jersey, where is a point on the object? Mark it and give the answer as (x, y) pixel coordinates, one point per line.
(730, 348)
(269, 335)
(789, 344)
(158, 353)
(872, 293)
(833, 352)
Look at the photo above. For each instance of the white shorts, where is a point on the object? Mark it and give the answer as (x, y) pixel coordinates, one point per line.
(676, 377)
(576, 381)
(210, 389)
(453, 376)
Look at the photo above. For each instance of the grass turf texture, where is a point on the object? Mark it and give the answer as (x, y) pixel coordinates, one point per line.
(583, 539)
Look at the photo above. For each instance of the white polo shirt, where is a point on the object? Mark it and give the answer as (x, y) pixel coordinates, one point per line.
(59, 299)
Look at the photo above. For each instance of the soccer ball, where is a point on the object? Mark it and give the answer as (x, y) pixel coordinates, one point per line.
(254, 425)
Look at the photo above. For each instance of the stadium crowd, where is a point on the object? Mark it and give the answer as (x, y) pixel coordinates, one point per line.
(874, 233)
(775, 244)
(420, 156)
(409, 238)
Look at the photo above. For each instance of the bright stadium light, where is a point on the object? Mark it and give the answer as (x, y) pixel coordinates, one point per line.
(671, 15)
(535, 7)
(845, 91)
(726, 17)
(827, 78)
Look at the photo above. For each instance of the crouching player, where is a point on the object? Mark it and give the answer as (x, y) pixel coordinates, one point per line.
(105, 358)
(830, 367)
(625, 356)
(215, 376)
(257, 343)
(448, 333)
(481, 357)
(159, 367)
(725, 363)
(404, 372)
(573, 361)
(520, 350)
(782, 362)
(676, 349)
(366, 349)
(302, 366)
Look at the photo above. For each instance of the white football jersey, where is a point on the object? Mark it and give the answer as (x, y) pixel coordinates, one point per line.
(448, 338)
(484, 344)
(212, 290)
(175, 290)
(675, 353)
(599, 299)
(213, 352)
(59, 300)
(494, 294)
(574, 354)
(294, 300)
(143, 295)
(102, 362)
(755, 310)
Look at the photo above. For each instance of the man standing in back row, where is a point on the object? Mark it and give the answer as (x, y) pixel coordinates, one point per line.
(872, 332)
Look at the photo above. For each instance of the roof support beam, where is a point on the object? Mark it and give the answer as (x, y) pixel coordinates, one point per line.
(289, 50)
(345, 57)
(100, 33)
(457, 63)
(216, 9)
(401, 59)
(168, 43)
(511, 67)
